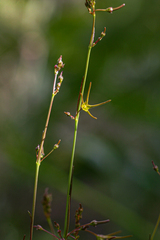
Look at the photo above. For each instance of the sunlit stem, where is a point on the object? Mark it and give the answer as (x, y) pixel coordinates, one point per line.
(38, 160)
(67, 214)
(89, 89)
(110, 9)
(88, 55)
(119, 7)
(55, 147)
(34, 198)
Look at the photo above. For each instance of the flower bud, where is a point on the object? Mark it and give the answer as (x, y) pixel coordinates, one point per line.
(59, 65)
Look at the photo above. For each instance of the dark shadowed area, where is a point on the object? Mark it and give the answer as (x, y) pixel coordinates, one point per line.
(113, 172)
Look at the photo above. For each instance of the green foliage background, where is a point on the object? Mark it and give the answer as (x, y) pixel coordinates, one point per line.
(113, 171)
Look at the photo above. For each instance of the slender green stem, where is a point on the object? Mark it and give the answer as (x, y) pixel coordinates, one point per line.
(38, 161)
(88, 56)
(67, 214)
(155, 229)
(34, 198)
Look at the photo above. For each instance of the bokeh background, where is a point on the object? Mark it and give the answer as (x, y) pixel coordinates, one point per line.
(113, 175)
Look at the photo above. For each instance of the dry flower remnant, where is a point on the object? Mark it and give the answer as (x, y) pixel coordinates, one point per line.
(85, 106)
(155, 168)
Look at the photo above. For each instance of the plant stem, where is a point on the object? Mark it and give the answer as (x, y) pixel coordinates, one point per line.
(67, 214)
(38, 160)
(155, 229)
(51, 226)
(34, 198)
(88, 56)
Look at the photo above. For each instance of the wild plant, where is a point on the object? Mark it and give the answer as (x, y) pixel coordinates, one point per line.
(81, 106)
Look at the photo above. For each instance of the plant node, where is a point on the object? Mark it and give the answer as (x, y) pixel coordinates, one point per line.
(100, 38)
(42, 152)
(69, 115)
(85, 106)
(155, 167)
(59, 65)
(110, 9)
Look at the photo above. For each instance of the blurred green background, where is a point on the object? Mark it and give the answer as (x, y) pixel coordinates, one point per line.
(113, 175)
